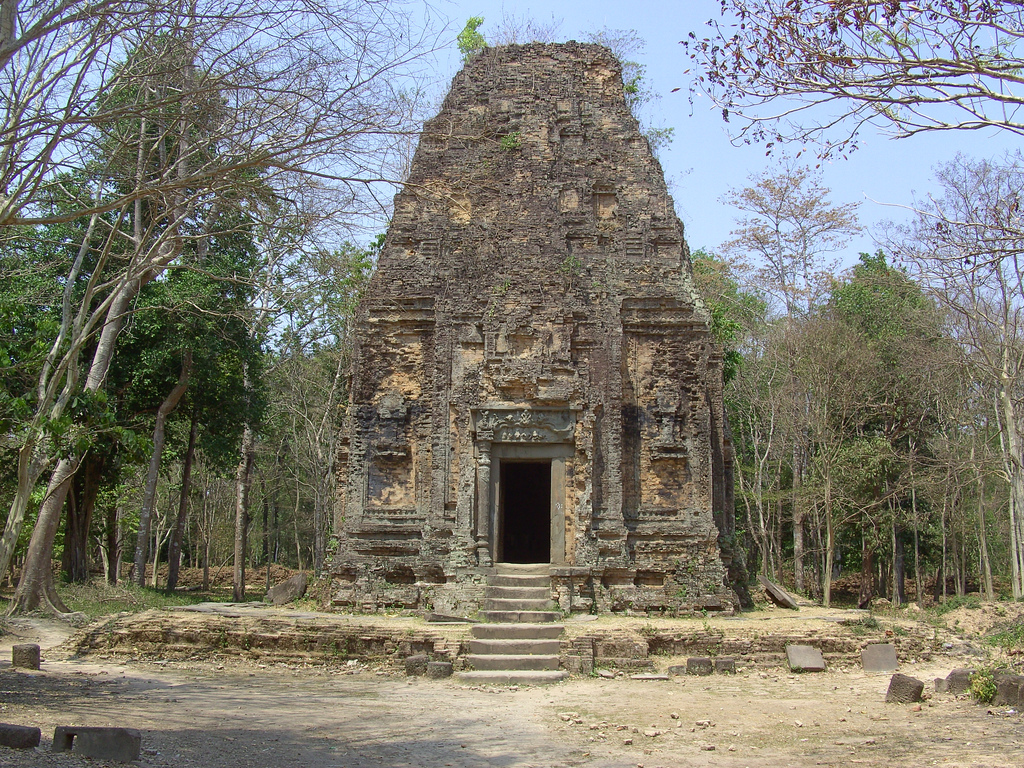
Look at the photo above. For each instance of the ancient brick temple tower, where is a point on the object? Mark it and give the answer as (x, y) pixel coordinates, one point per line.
(533, 378)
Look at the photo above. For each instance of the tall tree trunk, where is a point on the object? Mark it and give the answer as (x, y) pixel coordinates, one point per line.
(798, 528)
(174, 552)
(1010, 442)
(867, 568)
(830, 549)
(899, 568)
(243, 483)
(985, 562)
(113, 541)
(36, 588)
(153, 475)
(80, 506)
(918, 580)
(266, 529)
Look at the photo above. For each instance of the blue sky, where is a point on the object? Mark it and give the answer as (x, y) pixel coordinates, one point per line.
(702, 164)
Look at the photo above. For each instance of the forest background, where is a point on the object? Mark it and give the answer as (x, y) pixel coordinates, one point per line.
(187, 221)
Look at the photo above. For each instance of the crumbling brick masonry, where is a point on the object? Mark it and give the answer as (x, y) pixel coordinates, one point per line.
(533, 377)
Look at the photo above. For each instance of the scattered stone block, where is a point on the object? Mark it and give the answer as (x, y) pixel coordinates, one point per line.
(1008, 690)
(941, 686)
(904, 689)
(959, 681)
(438, 670)
(778, 595)
(122, 745)
(290, 589)
(677, 669)
(805, 658)
(25, 656)
(699, 665)
(416, 664)
(879, 657)
(725, 665)
(19, 736)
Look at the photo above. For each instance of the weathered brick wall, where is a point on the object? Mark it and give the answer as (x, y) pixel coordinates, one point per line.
(534, 299)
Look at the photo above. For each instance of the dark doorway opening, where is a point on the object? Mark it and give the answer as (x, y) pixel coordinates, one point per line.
(526, 511)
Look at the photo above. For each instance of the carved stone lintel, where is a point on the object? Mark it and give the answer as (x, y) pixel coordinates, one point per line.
(526, 425)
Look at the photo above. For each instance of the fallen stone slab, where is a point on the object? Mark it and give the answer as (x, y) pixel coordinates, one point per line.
(416, 665)
(25, 656)
(677, 669)
(778, 595)
(438, 670)
(440, 618)
(19, 736)
(699, 665)
(122, 745)
(288, 590)
(879, 657)
(959, 681)
(904, 689)
(648, 677)
(805, 658)
(725, 665)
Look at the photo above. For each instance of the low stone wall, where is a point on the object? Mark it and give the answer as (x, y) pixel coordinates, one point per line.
(290, 636)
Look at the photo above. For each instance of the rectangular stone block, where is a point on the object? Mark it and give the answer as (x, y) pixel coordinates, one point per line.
(25, 656)
(959, 681)
(416, 664)
(18, 736)
(699, 665)
(904, 689)
(805, 658)
(725, 665)
(879, 657)
(122, 745)
(1008, 688)
(437, 670)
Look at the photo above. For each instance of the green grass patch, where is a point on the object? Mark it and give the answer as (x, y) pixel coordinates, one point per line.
(863, 626)
(952, 603)
(1009, 637)
(97, 599)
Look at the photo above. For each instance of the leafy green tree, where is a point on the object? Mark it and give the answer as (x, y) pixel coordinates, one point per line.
(470, 40)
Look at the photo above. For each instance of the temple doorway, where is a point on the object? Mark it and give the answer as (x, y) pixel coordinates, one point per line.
(524, 511)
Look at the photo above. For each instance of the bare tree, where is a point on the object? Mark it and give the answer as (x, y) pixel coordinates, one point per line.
(174, 111)
(782, 242)
(787, 231)
(968, 246)
(823, 70)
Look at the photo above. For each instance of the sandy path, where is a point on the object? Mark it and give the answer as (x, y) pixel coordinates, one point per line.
(240, 716)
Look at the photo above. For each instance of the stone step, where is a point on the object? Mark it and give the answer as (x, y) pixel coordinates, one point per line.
(520, 617)
(516, 631)
(508, 604)
(523, 568)
(511, 662)
(515, 647)
(519, 592)
(508, 677)
(520, 580)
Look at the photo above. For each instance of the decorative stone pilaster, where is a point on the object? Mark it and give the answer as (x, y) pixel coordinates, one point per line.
(483, 502)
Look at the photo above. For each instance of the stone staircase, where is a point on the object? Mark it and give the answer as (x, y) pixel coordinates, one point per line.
(519, 644)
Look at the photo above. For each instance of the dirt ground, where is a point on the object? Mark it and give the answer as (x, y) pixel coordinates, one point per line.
(234, 713)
